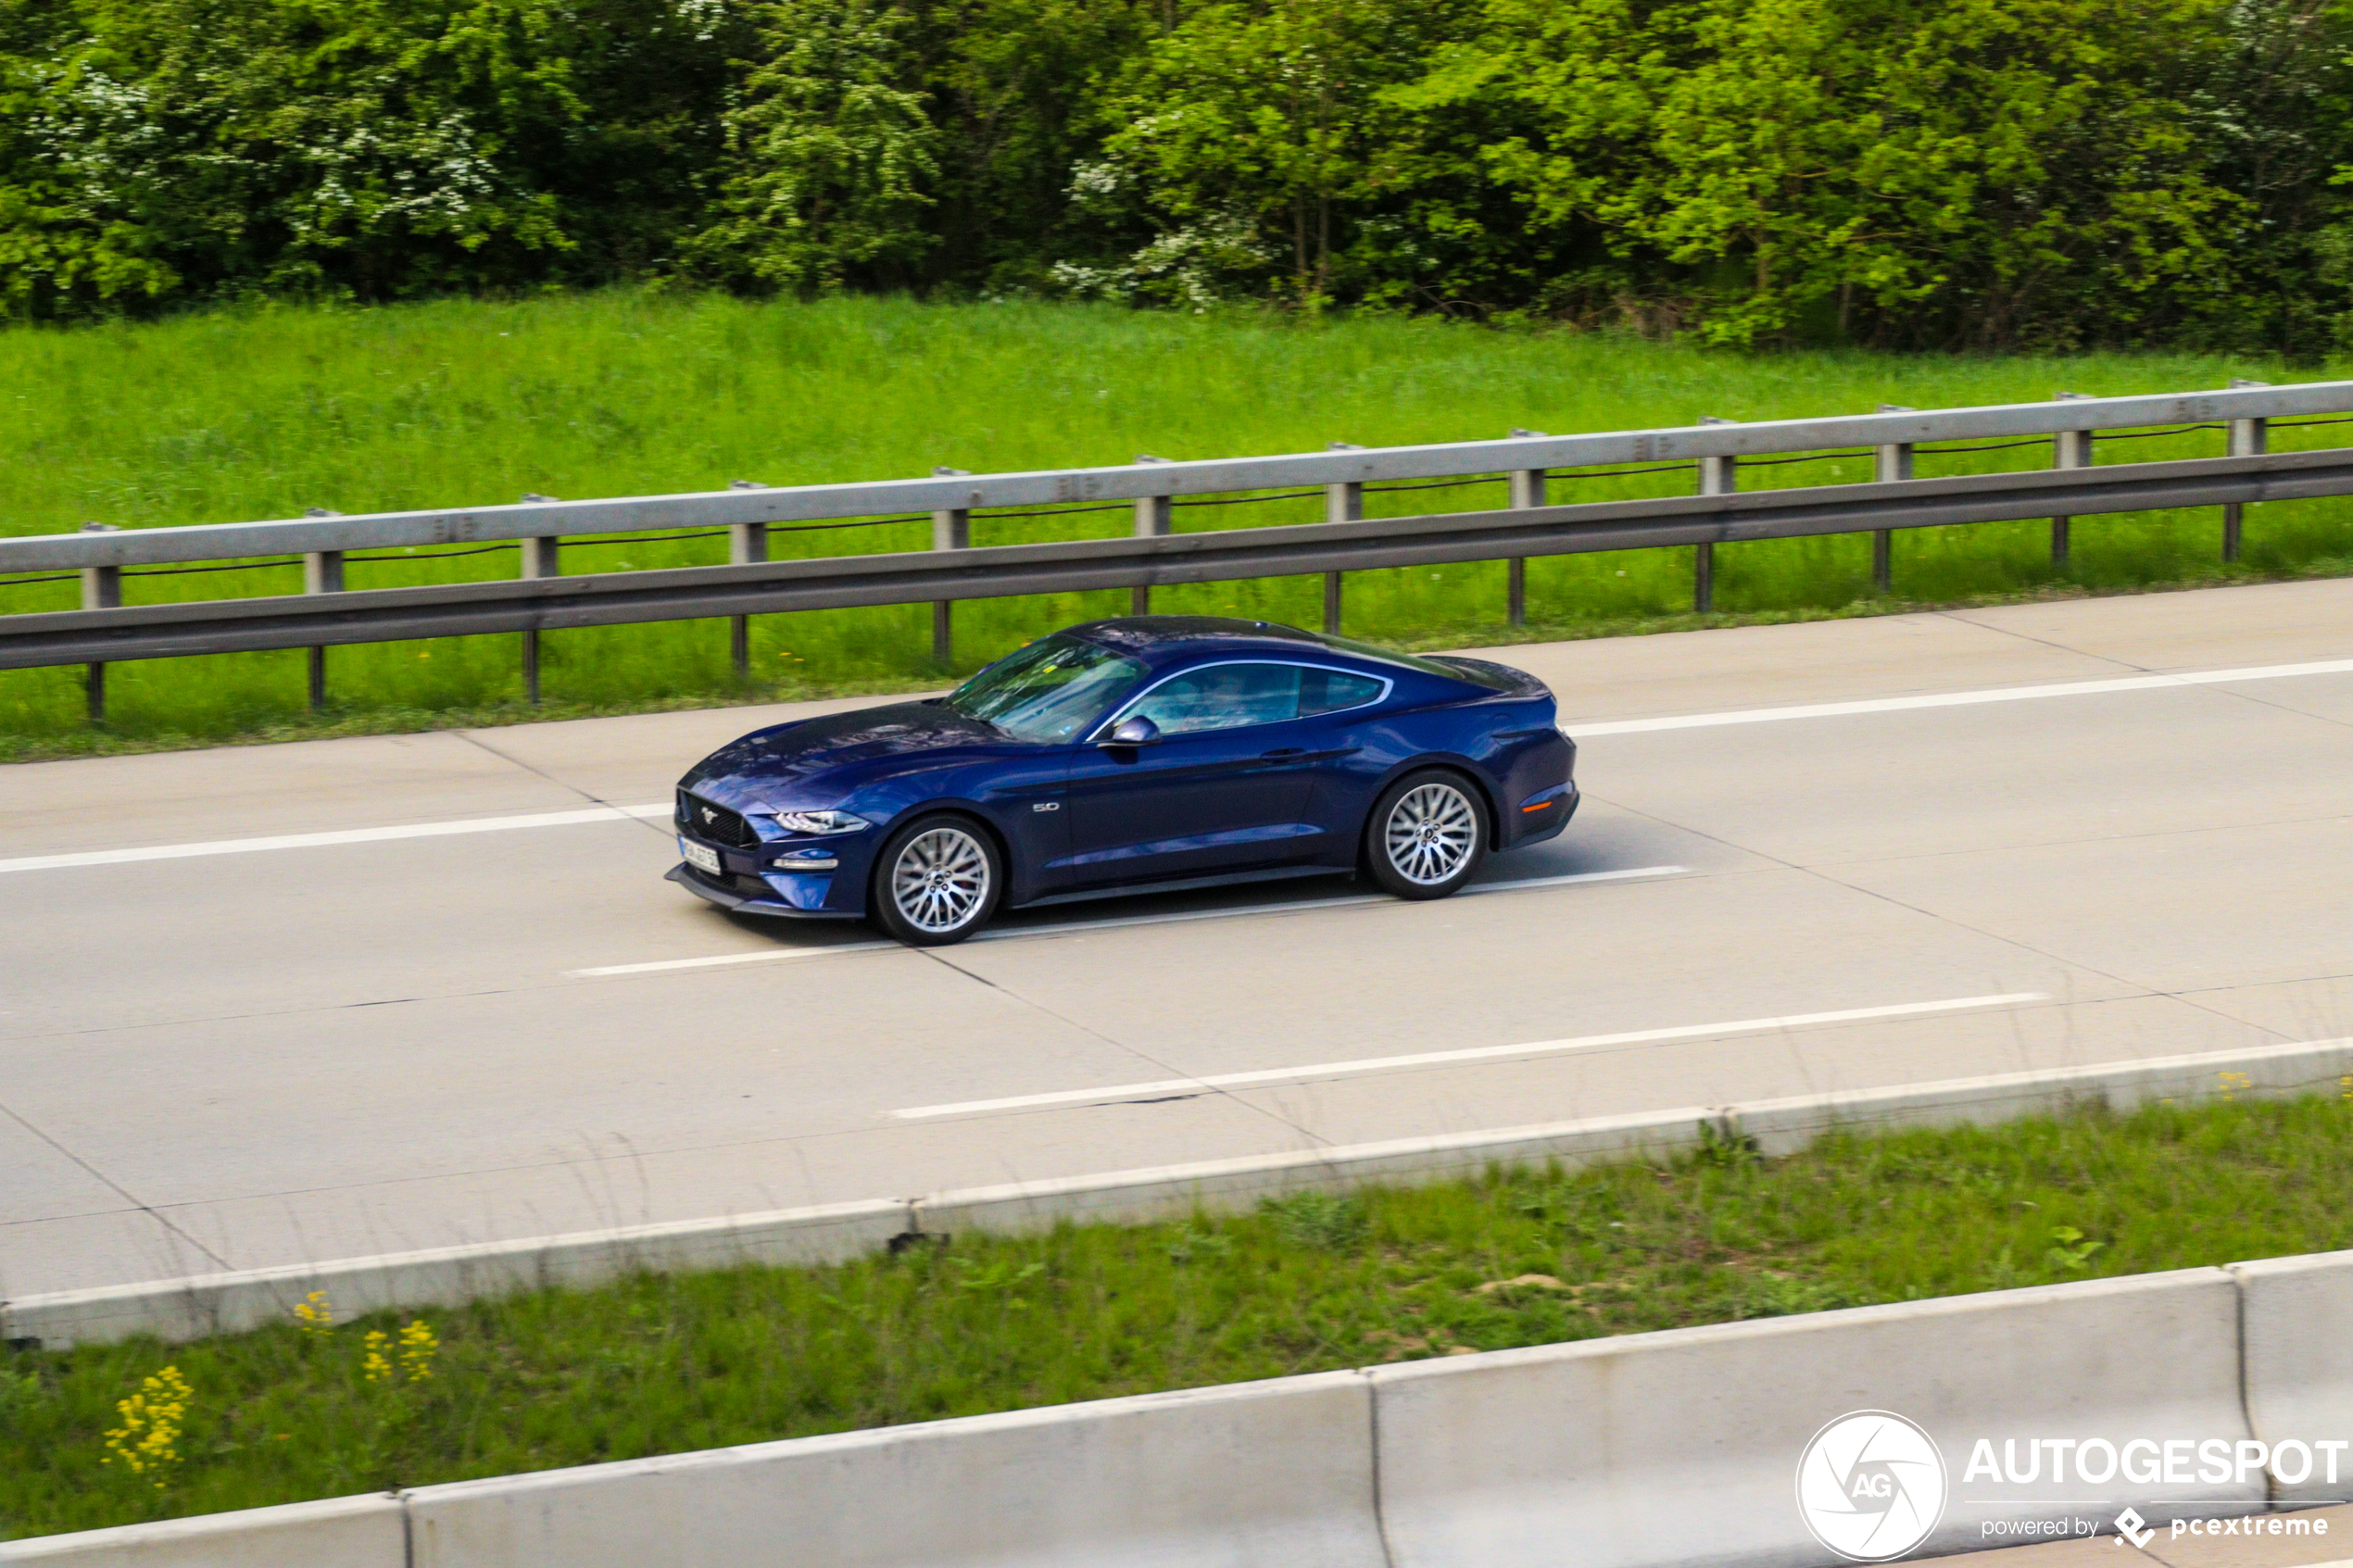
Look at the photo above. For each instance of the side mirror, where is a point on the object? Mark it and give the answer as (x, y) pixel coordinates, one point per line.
(1138, 731)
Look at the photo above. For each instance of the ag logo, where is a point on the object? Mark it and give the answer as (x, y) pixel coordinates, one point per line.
(1871, 1486)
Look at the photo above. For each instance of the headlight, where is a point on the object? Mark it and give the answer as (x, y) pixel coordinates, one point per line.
(823, 824)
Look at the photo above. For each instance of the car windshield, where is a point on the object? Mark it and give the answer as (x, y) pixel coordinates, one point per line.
(1049, 690)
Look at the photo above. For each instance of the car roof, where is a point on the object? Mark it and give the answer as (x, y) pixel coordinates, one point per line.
(1157, 637)
(1159, 641)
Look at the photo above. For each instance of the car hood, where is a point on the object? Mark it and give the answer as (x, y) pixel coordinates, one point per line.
(770, 764)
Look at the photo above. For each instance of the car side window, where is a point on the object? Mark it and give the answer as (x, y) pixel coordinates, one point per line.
(1329, 691)
(1222, 697)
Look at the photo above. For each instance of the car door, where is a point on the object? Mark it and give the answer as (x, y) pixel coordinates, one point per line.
(1226, 788)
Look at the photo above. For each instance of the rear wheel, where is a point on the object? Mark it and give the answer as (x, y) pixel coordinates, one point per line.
(936, 881)
(1428, 835)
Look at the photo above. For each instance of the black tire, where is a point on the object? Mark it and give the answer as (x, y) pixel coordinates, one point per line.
(1414, 839)
(930, 900)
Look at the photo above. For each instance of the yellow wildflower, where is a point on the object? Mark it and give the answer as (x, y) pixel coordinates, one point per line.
(147, 1443)
(417, 1348)
(315, 1314)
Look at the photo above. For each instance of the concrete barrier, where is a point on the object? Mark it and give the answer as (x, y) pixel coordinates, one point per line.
(1676, 1449)
(1785, 1126)
(448, 1276)
(342, 1533)
(2295, 1329)
(1166, 1191)
(1681, 1450)
(189, 1309)
(1274, 1474)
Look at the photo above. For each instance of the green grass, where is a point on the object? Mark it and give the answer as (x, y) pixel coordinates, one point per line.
(267, 411)
(662, 1364)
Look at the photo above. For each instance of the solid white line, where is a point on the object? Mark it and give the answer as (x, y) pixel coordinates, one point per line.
(1961, 699)
(344, 835)
(1483, 1053)
(1016, 933)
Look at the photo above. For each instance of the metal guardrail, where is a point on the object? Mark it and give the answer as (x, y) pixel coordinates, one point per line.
(1155, 480)
(914, 577)
(541, 599)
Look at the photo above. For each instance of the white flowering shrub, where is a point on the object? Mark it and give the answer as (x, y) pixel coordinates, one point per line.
(159, 148)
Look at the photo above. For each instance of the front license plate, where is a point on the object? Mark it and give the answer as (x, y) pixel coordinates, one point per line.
(701, 856)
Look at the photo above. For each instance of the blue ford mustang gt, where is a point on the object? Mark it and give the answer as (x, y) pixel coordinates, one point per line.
(1131, 755)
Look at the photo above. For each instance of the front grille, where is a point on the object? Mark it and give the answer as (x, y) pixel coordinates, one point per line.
(714, 823)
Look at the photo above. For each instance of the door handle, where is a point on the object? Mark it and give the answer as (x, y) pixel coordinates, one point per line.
(1283, 751)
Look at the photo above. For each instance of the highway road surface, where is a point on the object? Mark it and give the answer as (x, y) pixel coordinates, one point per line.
(276, 1004)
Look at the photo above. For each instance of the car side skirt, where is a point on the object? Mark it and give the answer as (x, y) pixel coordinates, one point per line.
(1182, 885)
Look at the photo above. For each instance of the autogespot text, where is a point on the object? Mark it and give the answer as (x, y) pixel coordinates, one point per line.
(2146, 1462)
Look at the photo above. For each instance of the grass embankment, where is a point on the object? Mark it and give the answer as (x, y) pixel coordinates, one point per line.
(665, 1365)
(262, 413)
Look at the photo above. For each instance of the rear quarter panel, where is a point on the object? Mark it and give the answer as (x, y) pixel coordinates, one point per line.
(1510, 746)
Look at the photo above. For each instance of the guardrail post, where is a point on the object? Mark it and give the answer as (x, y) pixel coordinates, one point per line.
(101, 589)
(1717, 476)
(539, 559)
(1154, 516)
(950, 529)
(1527, 490)
(2069, 449)
(2249, 438)
(1889, 462)
(322, 573)
(746, 545)
(1342, 503)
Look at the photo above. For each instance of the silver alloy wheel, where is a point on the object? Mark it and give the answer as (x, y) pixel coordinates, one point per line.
(1431, 832)
(940, 879)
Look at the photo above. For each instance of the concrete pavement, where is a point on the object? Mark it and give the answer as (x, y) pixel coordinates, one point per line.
(239, 1059)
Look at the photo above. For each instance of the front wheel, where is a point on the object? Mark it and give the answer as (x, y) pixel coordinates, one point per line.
(936, 881)
(1428, 835)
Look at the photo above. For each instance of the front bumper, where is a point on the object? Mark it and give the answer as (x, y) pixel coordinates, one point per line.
(792, 874)
(802, 898)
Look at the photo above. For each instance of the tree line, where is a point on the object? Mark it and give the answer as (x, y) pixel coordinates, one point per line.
(1907, 173)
